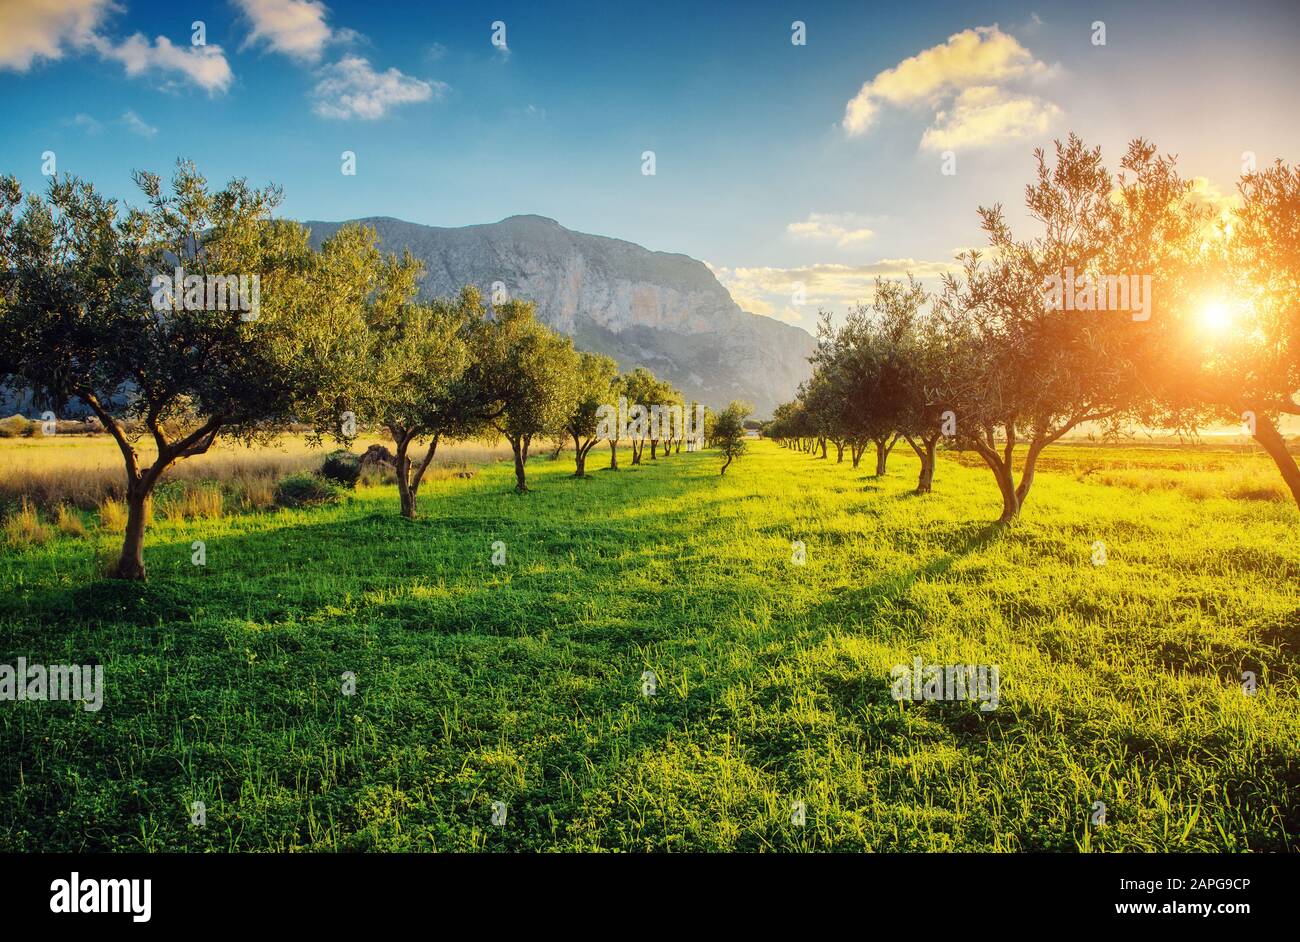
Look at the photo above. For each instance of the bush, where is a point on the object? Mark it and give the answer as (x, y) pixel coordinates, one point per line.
(16, 426)
(69, 522)
(342, 467)
(24, 527)
(113, 514)
(305, 490)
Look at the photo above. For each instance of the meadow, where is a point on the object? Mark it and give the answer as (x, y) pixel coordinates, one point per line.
(523, 683)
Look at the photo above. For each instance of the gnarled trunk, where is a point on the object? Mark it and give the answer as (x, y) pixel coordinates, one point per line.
(925, 452)
(1266, 434)
(883, 447)
(131, 563)
(613, 454)
(1001, 466)
(520, 447)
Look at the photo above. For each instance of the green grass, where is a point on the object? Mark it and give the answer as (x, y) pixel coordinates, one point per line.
(522, 683)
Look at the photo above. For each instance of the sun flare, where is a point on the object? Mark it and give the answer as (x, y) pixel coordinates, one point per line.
(1216, 316)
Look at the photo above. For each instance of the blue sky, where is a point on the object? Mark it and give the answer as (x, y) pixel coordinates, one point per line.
(761, 167)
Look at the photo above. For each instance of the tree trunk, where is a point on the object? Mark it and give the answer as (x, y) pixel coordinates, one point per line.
(1266, 434)
(402, 463)
(882, 458)
(678, 450)
(855, 450)
(1002, 472)
(822, 442)
(654, 446)
(131, 564)
(839, 452)
(925, 480)
(579, 458)
(519, 447)
(1027, 473)
(724, 465)
(613, 454)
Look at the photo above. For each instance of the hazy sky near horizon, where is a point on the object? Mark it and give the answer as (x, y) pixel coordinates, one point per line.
(776, 163)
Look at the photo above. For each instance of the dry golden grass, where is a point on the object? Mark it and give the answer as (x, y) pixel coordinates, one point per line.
(69, 522)
(86, 470)
(191, 502)
(112, 515)
(24, 526)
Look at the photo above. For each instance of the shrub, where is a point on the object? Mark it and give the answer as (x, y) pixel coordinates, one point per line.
(305, 490)
(342, 467)
(255, 492)
(14, 426)
(69, 522)
(112, 515)
(23, 527)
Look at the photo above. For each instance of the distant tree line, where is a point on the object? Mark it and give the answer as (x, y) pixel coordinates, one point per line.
(338, 340)
(993, 362)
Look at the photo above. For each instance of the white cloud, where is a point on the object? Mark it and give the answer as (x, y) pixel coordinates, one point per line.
(771, 291)
(40, 29)
(844, 229)
(86, 123)
(204, 66)
(985, 115)
(47, 29)
(964, 81)
(137, 125)
(296, 28)
(351, 88)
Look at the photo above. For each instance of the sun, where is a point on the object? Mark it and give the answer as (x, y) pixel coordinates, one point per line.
(1216, 316)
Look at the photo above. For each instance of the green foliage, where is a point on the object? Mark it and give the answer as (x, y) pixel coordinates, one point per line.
(342, 468)
(729, 432)
(306, 490)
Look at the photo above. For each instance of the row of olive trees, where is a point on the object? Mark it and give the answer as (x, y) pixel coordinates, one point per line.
(338, 339)
(992, 363)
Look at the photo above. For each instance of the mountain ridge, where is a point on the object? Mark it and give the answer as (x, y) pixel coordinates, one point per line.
(662, 310)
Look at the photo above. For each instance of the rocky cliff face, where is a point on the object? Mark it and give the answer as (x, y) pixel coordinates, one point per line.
(662, 311)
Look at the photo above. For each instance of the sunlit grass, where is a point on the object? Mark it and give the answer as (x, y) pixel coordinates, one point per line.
(522, 682)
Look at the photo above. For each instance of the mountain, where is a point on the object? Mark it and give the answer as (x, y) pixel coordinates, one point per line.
(659, 310)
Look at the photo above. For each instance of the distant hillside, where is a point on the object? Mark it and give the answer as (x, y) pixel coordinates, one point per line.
(662, 311)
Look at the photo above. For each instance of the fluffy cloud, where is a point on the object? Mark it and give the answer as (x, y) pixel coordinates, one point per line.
(296, 28)
(204, 66)
(961, 80)
(844, 229)
(46, 29)
(40, 29)
(350, 88)
(985, 115)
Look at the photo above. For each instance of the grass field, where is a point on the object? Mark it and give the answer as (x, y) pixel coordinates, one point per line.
(522, 683)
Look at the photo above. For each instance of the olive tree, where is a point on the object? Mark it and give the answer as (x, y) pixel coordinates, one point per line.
(90, 314)
(729, 432)
(595, 385)
(523, 375)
